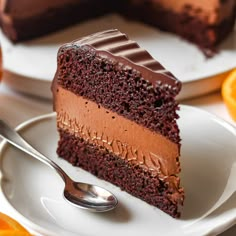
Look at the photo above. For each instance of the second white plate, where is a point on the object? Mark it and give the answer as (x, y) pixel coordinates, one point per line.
(34, 62)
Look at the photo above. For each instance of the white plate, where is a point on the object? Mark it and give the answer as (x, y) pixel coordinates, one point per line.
(36, 60)
(34, 191)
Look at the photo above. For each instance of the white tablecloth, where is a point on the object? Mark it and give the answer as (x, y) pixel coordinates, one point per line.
(16, 108)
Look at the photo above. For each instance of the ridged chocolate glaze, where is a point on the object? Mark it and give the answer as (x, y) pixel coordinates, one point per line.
(116, 45)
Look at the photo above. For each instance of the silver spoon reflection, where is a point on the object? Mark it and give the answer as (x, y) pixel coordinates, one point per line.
(83, 195)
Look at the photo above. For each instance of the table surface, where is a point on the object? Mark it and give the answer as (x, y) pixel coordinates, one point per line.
(16, 108)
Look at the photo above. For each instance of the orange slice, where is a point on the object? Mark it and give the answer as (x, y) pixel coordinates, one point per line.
(229, 93)
(10, 227)
(13, 233)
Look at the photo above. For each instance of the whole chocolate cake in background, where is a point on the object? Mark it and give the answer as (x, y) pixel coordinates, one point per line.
(205, 23)
(116, 116)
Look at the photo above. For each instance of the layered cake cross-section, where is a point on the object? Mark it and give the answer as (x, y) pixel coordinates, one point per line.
(116, 117)
(205, 23)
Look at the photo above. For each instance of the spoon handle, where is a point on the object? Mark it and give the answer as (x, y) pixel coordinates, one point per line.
(9, 134)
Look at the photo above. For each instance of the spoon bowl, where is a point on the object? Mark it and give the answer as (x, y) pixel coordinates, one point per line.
(82, 195)
(85, 195)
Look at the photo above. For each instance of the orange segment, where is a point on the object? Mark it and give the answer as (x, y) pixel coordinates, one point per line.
(10, 227)
(229, 93)
(13, 233)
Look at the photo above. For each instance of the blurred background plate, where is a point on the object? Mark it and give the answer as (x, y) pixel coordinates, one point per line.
(30, 66)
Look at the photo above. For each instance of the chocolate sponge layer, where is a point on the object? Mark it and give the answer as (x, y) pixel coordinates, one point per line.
(129, 177)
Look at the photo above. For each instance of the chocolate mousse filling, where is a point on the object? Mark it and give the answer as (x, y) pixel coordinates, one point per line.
(126, 139)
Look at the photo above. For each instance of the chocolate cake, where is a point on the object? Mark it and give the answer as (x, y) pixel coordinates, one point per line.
(116, 116)
(205, 23)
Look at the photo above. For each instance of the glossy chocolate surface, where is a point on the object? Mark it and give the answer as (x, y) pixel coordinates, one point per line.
(115, 45)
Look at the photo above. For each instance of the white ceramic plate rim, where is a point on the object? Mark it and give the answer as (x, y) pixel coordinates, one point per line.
(28, 223)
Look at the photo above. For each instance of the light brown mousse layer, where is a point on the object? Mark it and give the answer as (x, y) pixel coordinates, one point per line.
(125, 138)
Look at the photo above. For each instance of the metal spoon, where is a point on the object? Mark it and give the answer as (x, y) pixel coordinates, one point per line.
(81, 195)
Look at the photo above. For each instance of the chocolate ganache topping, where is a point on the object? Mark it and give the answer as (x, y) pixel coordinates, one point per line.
(114, 44)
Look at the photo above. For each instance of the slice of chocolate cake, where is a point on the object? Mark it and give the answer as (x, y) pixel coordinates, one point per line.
(116, 116)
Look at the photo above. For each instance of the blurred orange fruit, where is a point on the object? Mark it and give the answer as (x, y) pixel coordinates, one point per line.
(10, 227)
(13, 233)
(229, 93)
